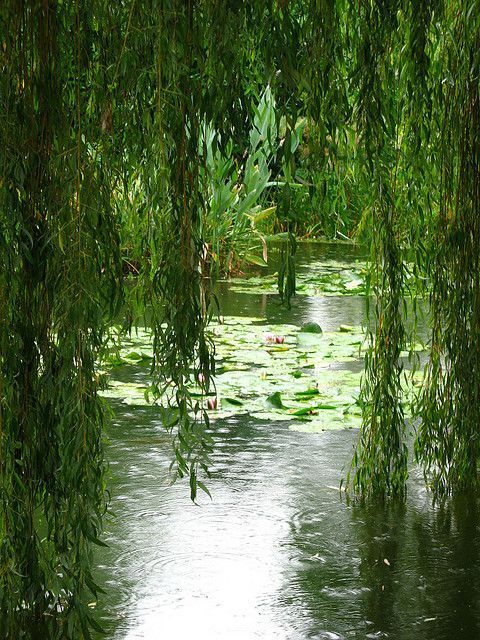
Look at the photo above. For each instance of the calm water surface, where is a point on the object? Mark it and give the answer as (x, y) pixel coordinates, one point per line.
(278, 554)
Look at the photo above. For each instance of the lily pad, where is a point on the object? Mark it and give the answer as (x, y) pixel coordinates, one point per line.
(305, 411)
(275, 400)
(346, 328)
(307, 394)
(311, 327)
(232, 401)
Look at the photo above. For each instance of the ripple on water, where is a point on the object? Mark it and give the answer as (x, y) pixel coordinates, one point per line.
(277, 555)
(306, 518)
(350, 593)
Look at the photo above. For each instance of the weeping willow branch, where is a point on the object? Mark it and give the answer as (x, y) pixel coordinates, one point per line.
(56, 254)
(448, 441)
(102, 107)
(380, 460)
(180, 301)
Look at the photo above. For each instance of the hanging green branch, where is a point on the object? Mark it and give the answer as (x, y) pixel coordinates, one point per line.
(448, 441)
(60, 277)
(102, 180)
(380, 460)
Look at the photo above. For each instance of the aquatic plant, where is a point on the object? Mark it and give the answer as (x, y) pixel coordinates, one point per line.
(235, 193)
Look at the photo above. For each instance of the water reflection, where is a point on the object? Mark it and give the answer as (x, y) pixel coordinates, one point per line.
(431, 588)
(278, 553)
(408, 571)
(380, 536)
(199, 570)
(329, 312)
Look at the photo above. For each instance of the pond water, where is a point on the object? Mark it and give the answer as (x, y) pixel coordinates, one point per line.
(277, 553)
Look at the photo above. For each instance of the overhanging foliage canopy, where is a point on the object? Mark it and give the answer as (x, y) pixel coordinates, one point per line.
(102, 100)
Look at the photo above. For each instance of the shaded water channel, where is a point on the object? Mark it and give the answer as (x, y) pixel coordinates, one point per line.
(277, 553)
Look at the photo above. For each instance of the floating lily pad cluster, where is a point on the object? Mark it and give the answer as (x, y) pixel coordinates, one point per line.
(298, 379)
(271, 372)
(268, 371)
(326, 278)
(277, 372)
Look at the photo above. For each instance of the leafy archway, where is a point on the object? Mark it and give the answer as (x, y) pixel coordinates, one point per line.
(104, 101)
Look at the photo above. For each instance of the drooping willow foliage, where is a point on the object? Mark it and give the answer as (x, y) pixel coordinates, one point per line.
(102, 109)
(448, 438)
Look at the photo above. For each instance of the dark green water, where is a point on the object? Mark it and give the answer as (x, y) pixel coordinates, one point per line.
(278, 554)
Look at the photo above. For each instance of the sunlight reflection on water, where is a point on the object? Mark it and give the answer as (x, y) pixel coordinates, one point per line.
(278, 554)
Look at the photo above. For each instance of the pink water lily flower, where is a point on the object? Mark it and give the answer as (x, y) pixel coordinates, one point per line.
(212, 403)
(273, 338)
